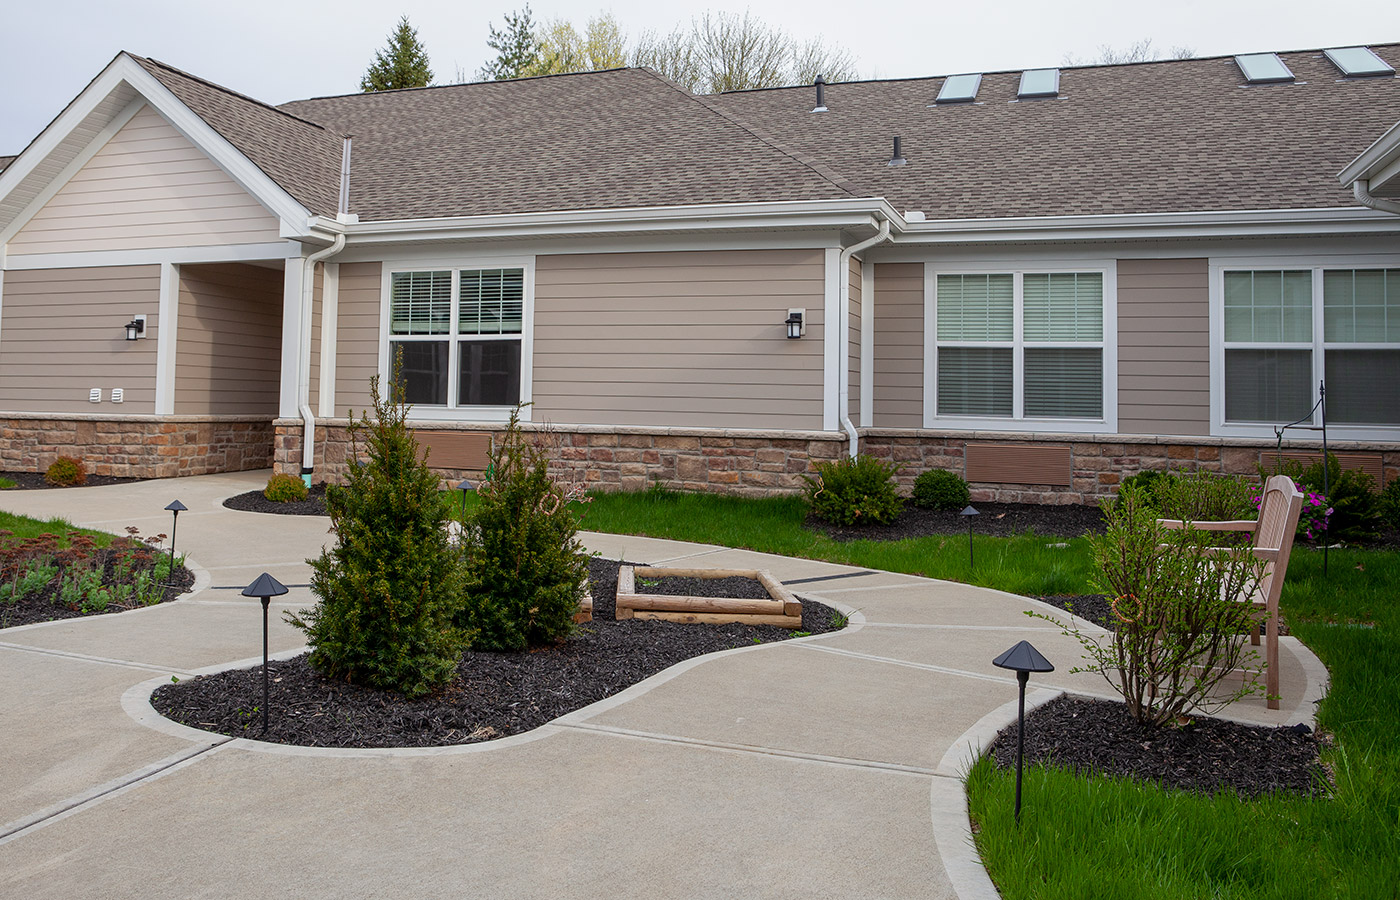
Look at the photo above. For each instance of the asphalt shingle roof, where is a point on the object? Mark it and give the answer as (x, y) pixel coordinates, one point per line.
(616, 139)
(1171, 136)
(5, 162)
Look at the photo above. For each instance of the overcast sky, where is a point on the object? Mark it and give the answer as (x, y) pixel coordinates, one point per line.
(291, 49)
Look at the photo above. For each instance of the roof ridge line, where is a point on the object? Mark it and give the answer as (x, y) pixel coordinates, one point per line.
(461, 84)
(828, 174)
(232, 93)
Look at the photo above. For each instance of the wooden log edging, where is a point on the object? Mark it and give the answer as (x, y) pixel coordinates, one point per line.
(783, 610)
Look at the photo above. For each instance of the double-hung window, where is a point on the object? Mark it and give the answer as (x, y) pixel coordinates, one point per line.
(1285, 331)
(1018, 346)
(459, 336)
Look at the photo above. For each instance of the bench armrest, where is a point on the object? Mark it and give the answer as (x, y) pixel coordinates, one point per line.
(1232, 525)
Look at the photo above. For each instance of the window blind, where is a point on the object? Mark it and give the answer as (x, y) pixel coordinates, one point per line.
(1363, 386)
(974, 381)
(1268, 306)
(1361, 306)
(1060, 307)
(1268, 385)
(1064, 382)
(975, 308)
(420, 303)
(492, 301)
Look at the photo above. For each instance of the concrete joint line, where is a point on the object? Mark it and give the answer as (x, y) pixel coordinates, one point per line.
(724, 746)
(102, 660)
(927, 667)
(93, 796)
(926, 626)
(671, 559)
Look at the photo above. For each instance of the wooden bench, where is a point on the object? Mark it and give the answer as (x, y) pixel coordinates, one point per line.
(1272, 543)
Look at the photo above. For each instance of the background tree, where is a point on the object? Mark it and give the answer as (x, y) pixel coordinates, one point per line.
(603, 45)
(734, 52)
(401, 64)
(517, 48)
(1139, 51)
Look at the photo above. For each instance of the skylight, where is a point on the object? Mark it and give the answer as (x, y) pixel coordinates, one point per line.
(959, 89)
(1263, 68)
(1039, 83)
(1356, 62)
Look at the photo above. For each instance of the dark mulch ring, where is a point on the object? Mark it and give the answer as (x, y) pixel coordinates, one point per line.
(34, 481)
(494, 694)
(1206, 756)
(254, 501)
(736, 586)
(995, 519)
(46, 606)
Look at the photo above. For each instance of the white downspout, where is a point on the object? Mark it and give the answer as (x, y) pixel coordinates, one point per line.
(308, 420)
(843, 332)
(1361, 189)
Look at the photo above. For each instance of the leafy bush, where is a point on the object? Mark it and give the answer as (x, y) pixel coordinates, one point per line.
(1350, 493)
(525, 567)
(388, 591)
(858, 491)
(1149, 483)
(1204, 497)
(66, 472)
(284, 488)
(938, 489)
(1388, 504)
(1177, 626)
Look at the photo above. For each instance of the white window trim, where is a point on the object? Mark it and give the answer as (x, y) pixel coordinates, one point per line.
(527, 334)
(1107, 424)
(1317, 265)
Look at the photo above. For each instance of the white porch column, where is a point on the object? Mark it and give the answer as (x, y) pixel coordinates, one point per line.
(292, 338)
(167, 328)
(330, 296)
(832, 341)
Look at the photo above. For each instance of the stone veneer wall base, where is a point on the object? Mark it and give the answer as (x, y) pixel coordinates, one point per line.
(139, 446)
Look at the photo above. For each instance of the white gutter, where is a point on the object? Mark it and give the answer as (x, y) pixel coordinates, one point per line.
(308, 420)
(1361, 189)
(843, 331)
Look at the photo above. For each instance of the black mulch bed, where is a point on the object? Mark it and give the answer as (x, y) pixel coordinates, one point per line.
(45, 606)
(34, 481)
(735, 586)
(494, 695)
(995, 519)
(1206, 756)
(254, 501)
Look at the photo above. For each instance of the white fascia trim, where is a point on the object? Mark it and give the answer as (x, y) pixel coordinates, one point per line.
(179, 255)
(168, 325)
(1139, 226)
(832, 345)
(126, 70)
(705, 217)
(1382, 153)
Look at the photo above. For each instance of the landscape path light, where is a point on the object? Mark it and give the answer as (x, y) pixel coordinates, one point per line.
(175, 508)
(265, 587)
(1023, 659)
(466, 487)
(968, 512)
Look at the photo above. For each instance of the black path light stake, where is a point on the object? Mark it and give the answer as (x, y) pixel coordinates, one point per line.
(175, 508)
(968, 512)
(264, 587)
(1024, 659)
(466, 487)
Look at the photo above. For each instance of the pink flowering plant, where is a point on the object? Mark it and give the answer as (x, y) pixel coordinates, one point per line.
(1312, 521)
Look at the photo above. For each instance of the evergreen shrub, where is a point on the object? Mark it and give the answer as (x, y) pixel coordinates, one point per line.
(1148, 483)
(1388, 504)
(1349, 493)
(389, 589)
(66, 472)
(525, 567)
(284, 488)
(1204, 497)
(858, 491)
(939, 489)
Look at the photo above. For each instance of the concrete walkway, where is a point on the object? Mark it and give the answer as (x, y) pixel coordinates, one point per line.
(819, 767)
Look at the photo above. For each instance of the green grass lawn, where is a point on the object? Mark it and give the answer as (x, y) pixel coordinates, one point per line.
(1095, 837)
(26, 527)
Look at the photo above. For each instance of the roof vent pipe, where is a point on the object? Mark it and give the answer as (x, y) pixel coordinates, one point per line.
(344, 207)
(898, 158)
(821, 94)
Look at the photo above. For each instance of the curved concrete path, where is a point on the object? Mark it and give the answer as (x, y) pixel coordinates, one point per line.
(821, 767)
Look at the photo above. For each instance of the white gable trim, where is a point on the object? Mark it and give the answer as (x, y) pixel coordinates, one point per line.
(126, 71)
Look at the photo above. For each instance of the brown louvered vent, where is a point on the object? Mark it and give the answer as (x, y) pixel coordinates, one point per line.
(1018, 464)
(1370, 463)
(455, 449)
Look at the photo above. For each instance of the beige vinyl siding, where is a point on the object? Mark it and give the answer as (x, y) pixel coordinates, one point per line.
(228, 348)
(147, 188)
(899, 346)
(62, 334)
(692, 338)
(853, 343)
(356, 336)
(1163, 346)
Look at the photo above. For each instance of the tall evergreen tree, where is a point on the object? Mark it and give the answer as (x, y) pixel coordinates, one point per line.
(401, 64)
(517, 49)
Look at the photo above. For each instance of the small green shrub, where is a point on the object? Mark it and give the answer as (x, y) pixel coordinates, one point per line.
(939, 489)
(66, 472)
(1388, 504)
(525, 567)
(1148, 483)
(7, 483)
(388, 590)
(1205, 497)
(858, 491)
(284, 488)
(1350, 494)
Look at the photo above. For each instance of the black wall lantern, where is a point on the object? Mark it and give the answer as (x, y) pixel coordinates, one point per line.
(1023, 659)
(265, 587)
(136, 328)
(795, 327)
